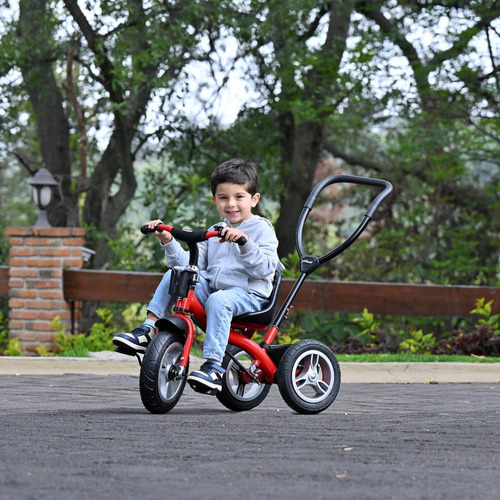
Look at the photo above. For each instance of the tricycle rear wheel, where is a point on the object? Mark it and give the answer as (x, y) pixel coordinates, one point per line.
(239, 392)
(160, 389)
(308, 376)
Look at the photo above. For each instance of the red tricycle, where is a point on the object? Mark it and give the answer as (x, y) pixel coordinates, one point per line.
(307, 372)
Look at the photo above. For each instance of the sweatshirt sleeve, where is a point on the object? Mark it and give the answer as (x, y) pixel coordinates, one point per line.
(259, 254)
(175, 254)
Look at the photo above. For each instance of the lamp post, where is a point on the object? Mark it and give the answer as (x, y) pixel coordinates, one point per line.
(43, 189)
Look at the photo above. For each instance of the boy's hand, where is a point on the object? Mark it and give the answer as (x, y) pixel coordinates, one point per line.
(163, 236)
(232, 234)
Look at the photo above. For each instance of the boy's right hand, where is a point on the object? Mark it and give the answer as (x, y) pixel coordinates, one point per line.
(163, 236)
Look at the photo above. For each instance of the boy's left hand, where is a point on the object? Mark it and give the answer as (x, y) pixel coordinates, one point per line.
(232, 234)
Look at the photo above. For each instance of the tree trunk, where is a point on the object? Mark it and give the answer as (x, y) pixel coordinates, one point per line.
(299, 178)
(301, 137)
(47, 101)
(102, 210)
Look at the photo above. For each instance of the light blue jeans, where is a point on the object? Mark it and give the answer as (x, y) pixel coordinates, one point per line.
(220, 305)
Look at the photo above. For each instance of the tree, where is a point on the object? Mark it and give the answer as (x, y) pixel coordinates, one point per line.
(357, 80)
(100, 62)
(354, 79)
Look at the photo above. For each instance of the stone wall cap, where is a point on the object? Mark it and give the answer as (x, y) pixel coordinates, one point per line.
(53, 232)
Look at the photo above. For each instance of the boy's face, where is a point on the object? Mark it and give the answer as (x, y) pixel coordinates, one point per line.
(234, 202)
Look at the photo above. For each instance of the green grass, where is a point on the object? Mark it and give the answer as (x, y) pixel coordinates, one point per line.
(415, 358)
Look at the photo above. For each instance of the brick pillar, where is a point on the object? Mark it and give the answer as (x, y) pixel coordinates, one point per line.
(37, 259)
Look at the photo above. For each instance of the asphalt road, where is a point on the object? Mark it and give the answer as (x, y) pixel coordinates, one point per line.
(88, 437)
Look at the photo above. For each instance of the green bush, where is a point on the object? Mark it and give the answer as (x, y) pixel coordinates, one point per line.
(481, 339)
(418, 342)
(4, 332)
(79, 345)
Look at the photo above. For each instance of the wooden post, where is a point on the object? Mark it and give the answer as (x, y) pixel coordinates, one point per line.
(38, 257)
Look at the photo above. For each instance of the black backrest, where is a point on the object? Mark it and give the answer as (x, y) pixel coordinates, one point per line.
(265, 316)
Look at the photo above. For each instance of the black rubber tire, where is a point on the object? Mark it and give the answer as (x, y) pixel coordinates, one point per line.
(308, 376)
(237, 395)
(159, 392)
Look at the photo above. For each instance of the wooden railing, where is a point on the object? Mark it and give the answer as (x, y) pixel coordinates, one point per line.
(315, 295)
(328, 296)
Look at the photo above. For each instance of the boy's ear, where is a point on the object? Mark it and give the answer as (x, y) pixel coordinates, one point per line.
(255, 199)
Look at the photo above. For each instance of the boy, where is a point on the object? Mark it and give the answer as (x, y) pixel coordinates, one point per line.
(234, 279)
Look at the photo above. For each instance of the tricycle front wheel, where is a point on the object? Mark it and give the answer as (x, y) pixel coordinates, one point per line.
(308, 376)
(159, 386)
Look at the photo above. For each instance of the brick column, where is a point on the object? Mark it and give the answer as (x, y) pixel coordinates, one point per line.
(36, 296)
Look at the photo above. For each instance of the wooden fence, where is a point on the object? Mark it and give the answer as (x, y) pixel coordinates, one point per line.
(315, 295)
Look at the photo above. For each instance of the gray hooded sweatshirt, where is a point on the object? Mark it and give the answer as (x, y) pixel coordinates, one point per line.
(225, 265)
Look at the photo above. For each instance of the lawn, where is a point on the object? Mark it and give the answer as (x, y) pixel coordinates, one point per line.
(415, 358)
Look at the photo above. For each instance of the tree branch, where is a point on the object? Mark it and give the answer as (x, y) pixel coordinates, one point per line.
(80, 119)
(352, 159)
(463, 39)
(97, 46)
(23, 161)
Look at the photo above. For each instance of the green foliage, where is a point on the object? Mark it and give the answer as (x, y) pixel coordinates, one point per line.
(326, 327)
(435, 138)
(68, 345)
(406, 357)
(101, 334)
(4, 331)
(369, 332)
(8, 347)
(490, 320)
(79, 345)
(292, 266)
(132, 315)
(42, 351)
(418, 342)
(290, 335)
(177, 195)
(13, 348)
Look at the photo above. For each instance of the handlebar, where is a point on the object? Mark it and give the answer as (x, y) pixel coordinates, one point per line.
(188, 235)
(309, 263)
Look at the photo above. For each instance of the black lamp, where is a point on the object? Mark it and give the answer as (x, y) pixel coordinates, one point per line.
(43, 190)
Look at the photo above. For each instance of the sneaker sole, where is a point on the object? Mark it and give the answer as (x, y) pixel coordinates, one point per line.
(202, 389)
(126, 350)
(205, 383)
(125, 344)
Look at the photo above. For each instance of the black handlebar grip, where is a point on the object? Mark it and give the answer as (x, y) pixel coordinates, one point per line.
(241, 241)
(146, 229)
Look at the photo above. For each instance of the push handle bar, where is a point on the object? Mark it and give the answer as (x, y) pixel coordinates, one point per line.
(313, 262)
(352, 179)
(187, 235)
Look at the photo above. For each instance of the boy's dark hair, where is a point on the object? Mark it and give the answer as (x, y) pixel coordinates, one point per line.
(236, 171)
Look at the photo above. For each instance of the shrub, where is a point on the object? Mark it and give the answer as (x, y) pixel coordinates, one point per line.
(418, 342)
(79, 345)
(481, 342)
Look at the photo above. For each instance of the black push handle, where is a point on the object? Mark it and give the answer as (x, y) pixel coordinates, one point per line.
(335, 179)
(352, 179)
